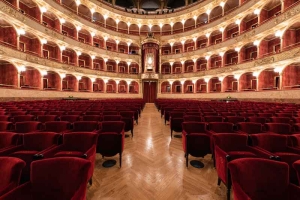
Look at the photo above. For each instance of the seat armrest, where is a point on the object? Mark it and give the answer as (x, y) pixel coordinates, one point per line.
(264, 153)
(20, 192)
(90, 152)
(10, 150)
(294, 150)
(51, 151)
(239, 193)
(294, 191)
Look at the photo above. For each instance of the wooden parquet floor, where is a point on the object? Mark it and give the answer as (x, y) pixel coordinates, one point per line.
(154, 168)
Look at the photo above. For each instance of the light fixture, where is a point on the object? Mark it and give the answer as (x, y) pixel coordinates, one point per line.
(207, 57)
(221, 29)
(207, 35)
(195, 17)
(105, 16)
(105, 81)
(182, 82)
(44, 73)
(182, 42)
(117, 21)
(195, 60)
(128, 24)
(222, 4)
(21, 31)
(43, 41)
(77, 2)
(194, 81)
(128, 43)
(62, 76)
(256, 42)
(278, 69)
(171, 63)
(117, 41)
(171, 82)
(93, 57)
(117, 82)
(128, 63)
(105, 38)
(139, 25)
(206, 80)
(221, 54)
(93, 34)
(117, 61)
(150, 26)
(278, 33)
(172, 23)
(78, 28)
(78, 77)
(208, 12)
(62, 20)
(93, 79)
(194, 39)
(182, 62)
(221, 78)
(183, 21)
(255, 74)
(78, 53)
(238, 21)
(43, 9)
(160, 25)
(62, 48)
(237, 76)
(22, 68)
(128, 82)
(92, 10)
(171, 44)
(256, 11)
(237, 49)
(105, 59)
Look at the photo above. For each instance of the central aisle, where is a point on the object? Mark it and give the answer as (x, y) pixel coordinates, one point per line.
(154, 168)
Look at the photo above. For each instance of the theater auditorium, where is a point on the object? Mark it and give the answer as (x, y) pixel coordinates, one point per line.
(149, 99)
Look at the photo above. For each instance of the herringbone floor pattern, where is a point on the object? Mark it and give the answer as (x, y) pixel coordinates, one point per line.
(154, 168)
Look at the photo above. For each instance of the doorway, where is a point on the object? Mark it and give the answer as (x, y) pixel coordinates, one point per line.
(149, 91)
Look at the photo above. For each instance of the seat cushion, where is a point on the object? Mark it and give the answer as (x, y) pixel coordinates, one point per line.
(241, 154)
(288, 157)
(69, 154)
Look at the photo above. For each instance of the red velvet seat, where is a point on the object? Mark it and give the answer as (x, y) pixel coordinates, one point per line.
(176, 119)
(192, 118)
(296, 166)
(77, 144)
(47, 118)
(111, 139)
(58, 126)
(10, 173)
(220, 127)
(57, 113)
(295, 140)
(261, 179)
(75, 113)
(285, 120)
(112, 117)
(97, 118)
(229, 147)
(235, 119)
(110, 113)
(213, 119)
(261, 120)
(128, 119)
(4, 117)
(55, 178)
(167, 114)
(33, 143)
(93, 112)
(277, 146)
(249, 127)
(15, 113)
(287, 114)
(27, 127)
(195, 140)
(23, 118)
(70, 118)
(8, 140)
(85, 126)
(37, 113)
(279, 128)
(6, 126)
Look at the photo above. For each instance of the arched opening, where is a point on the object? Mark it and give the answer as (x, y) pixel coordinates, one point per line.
(165, 87)
(122, 87)
(269, 45)
(84, 12)
(248, 52)
(70, 83)
(134, 68)
(177, 68)
(111, 86)
(189, 66)
(98, 19)
(70, 5)
(216, 13)
(166, 29)
(231, 57)
(202, 20)
(51, 20)
(270, 10)
(8, 74)
(268, 80)
(201, 86)
(30, 78)
(230, 84)
(231, 31)
(215, 61)
(69, 56)
(188, 86)
(248, 82)
(249, 22)
(52, 81)
(189, 24)
(291, 37)
(291, 76)
(176, 87)
(85, 61)
(214, 85)
(134, 87)
(134, 29)
(231, 5)
(8, 34)
(215, 37)
(85, 84)
(68, 29)
(111, 24)
(201, 64)
(178, 27)
(98, 41)
(84, 36)
(51, 51)
(98, 64)
(166, 68)
(202, 42)
(31, 9)
(29, 43)
(98, 85)
(111, 66)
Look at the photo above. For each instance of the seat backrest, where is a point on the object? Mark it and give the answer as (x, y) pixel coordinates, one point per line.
(26, 127)
(79, 141)
(174, 114)
(221, 127)
(127, 113)
(280, 128)
(92, 118)
(261, 120)
(192, 118)
(250, 127)
(270, 142)
(231, 141)
(5, 126)
(23, 118)
(4, 117)
(296, 166)
(110, 113)
(8, 138)
(213, 118)
(260, 178)
(40, 140)
(59, 178)
(10, 173)
(85, 126)
(112, 126)
(235, 119)
(194, 127)
(295, 140)
(46, 118)
(69, 118)
(112, 117)
(280, 119)
(57, 126)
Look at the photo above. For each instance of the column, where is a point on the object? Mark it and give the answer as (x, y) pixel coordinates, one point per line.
(17, 4)
(195, 65)
(104, 89)
(104, 64)
(140, 87)
(19, 74)
(42, 82)
(281, 43)
(182, 67)
(41, 50)
(282, 6)
(159, 86)
(18, 42)
(280, 80)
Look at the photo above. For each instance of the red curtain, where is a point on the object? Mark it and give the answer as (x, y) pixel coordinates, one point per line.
(150, 91)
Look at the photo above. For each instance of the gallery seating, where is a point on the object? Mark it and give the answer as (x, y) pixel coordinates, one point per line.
(8, 140)
(10, 173)
(279, 128)
(296, 166)
(85, 126)
(256, 178)
(6, 126)
(27, 127)
(57, 126)
(54, 178)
